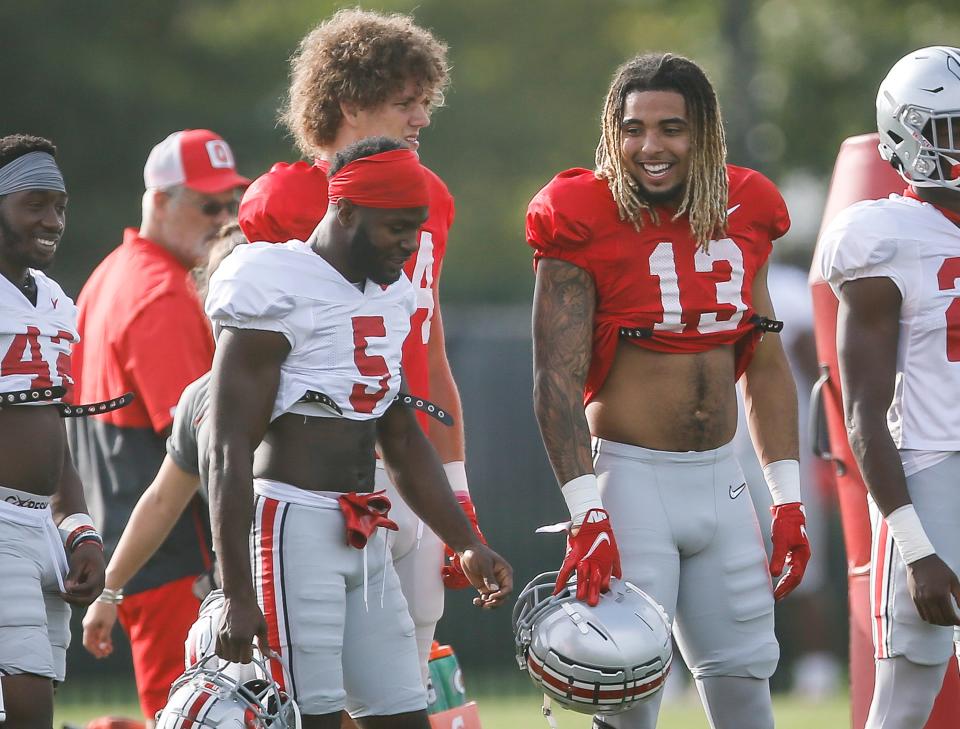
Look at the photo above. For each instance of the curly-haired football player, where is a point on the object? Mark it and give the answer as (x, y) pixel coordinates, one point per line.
(358, 74)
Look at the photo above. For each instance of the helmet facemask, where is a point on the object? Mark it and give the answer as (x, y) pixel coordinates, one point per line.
(932, 157)
(207, 695)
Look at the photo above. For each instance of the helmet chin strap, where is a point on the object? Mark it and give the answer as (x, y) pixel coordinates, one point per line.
(548, 712)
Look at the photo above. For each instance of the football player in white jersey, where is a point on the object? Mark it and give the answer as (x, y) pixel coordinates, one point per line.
(39, 572)
(324, 321)
(895, 267)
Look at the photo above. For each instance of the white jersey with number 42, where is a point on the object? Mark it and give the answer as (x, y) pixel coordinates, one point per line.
(35, 341)
(344, 342)
(918, 248)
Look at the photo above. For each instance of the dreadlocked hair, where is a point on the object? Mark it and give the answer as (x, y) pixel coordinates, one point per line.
(705, 197)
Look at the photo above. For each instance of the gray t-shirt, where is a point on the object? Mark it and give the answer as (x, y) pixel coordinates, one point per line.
(187, 444)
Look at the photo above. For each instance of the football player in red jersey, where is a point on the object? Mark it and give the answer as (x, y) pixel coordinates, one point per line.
(39, 573)
(650, 303)
(355, 75)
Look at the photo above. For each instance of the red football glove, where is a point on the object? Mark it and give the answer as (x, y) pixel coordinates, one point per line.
(593, 553)
(452, 571)
(790, 547)
(362, 514)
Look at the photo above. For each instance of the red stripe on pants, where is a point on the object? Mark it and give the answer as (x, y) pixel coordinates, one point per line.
(879, 574)
(268, 581)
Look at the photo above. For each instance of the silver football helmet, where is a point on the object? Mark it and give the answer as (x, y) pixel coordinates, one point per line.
(201, 640)
(918, 117)
(207, 696)
(594, 660)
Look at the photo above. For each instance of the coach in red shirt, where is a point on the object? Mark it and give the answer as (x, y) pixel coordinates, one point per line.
(143, 330)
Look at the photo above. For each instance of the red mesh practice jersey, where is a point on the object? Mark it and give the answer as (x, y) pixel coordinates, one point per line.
(657, 278)
(290, 200)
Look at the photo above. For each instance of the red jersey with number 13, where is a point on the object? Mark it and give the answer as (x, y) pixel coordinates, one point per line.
(35, 341)
(657, 278)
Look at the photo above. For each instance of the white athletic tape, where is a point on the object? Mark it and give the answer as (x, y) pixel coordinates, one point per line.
(783, 480)
(908, 533)
(457, 476)
(581, 495)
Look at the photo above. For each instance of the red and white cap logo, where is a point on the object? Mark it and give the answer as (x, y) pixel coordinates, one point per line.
(194, 158)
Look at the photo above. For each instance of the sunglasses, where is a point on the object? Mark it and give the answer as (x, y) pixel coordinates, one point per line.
(212, 208)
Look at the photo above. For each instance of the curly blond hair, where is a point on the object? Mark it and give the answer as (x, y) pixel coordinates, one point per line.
(705, 196)
(359, 57)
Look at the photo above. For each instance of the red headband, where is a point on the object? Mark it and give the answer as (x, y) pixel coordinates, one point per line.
(393, 179)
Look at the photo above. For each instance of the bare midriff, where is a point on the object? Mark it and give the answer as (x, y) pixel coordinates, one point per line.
(665, 401)
(318, 454)
(32, 448)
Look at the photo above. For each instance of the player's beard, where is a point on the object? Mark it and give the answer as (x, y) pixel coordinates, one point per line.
(13, 245)
(673, 196)
(364, 257)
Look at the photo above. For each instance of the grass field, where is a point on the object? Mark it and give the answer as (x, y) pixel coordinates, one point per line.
(508, 710)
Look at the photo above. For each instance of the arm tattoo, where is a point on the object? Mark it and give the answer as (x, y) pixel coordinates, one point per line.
(563, 309)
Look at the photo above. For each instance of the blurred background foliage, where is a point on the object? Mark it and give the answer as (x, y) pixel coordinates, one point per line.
(107, 79)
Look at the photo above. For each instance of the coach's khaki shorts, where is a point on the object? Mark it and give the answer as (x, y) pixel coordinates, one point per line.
(34, 619)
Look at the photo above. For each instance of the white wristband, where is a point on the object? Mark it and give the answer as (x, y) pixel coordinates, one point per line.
(72, 522)
(783, 480)
(457, 476)
(908, 533)
(581, 495)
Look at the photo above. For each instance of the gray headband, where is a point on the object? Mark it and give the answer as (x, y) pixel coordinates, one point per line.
(32, 171)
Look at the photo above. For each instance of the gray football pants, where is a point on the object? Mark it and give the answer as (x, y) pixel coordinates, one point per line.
(688, 536)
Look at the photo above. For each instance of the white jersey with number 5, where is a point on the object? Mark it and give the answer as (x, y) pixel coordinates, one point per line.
(35, 341)
(918, 248)
(344, 342)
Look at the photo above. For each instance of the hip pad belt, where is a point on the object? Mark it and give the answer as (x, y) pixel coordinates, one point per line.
(49, 394)
(94, 408)
(322, 399)
(410, 401)
(425, 406)
(763, 323)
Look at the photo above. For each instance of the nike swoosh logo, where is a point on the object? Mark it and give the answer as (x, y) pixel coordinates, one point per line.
(597, 516)
(731, 211)
(601, 538)
(735, 492)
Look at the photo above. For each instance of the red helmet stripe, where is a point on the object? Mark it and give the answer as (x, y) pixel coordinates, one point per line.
(190, 718)
(593, 694)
